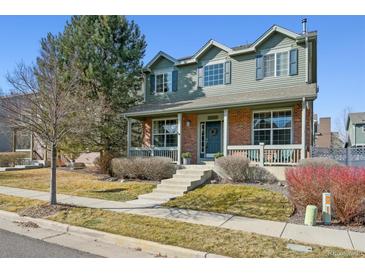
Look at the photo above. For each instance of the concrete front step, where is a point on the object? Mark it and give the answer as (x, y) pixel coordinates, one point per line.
(192, 172)
(188, 176)
(157, 196)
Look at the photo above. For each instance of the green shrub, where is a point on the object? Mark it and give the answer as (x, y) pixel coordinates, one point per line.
(318, 162)
(186, 155)
(151, 168)
(9, 159)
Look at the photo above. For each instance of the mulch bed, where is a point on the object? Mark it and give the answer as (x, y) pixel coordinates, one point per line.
(298, 217)
(44, 210)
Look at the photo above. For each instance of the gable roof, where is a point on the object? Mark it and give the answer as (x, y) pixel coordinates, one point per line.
(266, 35)
(159, 55)
(355, 118)
(234, 50)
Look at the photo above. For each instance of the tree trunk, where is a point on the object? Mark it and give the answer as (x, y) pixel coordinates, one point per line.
(53, 184)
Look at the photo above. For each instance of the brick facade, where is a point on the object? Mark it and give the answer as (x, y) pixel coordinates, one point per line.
(297, 125)
(239, 127)
(189, 135)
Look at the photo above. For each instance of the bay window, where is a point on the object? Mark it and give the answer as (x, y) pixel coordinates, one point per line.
(164, 133)
(272, 127)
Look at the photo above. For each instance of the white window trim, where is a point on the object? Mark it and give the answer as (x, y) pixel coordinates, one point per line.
(275, 52)
(215, 62)
(153, 134)
(159, 72)
(271, 128)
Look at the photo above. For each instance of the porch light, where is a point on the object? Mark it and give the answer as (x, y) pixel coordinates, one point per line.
(188, 123)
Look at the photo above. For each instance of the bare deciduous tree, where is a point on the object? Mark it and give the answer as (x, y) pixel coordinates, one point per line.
(45, 101)
(341, 122)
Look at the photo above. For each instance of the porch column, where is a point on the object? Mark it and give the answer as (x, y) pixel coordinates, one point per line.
(179, 131)
(225, 132)
(129, 134)
(304, 115)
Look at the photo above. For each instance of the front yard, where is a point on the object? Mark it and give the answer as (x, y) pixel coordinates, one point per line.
(75, 183)
(242, 200)
(199, 237)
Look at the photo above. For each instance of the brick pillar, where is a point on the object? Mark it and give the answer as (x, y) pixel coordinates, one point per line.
(147, 132)
(189, 135)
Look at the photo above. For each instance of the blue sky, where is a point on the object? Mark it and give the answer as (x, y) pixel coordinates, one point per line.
(341, 46)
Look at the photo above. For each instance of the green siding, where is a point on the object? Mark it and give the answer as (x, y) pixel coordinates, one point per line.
(162, 64)
(360, 135)
(243, 73)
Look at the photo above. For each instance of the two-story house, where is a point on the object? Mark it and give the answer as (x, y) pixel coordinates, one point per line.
(355, 127)
(254, 100)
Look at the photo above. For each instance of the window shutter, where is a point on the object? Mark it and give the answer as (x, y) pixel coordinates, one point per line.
(293, 68)
(259, 67)
(152, 83)
(228, 66)
(200, 77)
(174, 80)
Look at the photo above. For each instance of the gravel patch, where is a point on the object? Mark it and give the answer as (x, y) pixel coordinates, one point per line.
(28, 224)
(42, 211)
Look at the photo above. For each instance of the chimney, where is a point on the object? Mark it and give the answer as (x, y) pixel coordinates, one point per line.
(304, 26)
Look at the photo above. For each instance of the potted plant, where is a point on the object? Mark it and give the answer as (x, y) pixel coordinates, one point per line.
(186, 158)
(218, 155)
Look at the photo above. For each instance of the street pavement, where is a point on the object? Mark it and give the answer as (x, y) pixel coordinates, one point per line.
(13, 245)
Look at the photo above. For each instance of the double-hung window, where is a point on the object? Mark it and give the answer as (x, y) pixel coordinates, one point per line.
(164, 133)
(163, 82)
(276, 64)
(272, 127)
(22, 140)
(214, 74)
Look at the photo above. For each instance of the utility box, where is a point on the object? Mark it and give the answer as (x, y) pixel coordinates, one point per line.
(326, 208)
(310, 215)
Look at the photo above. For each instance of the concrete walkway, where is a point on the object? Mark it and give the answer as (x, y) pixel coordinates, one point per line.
(311, 235)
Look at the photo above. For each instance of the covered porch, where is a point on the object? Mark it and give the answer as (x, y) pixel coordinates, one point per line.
(270, 135)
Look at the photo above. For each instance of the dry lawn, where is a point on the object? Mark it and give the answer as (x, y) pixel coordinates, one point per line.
(199, 237)
(247, 201)
(75, 183)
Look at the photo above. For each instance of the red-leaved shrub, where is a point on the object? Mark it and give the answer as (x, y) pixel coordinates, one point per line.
(346, 184)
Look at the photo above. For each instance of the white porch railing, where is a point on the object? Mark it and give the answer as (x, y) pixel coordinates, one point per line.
(269, 155)
(169, 152)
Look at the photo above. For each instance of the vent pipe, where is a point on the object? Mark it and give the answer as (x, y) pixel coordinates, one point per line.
(304, 26)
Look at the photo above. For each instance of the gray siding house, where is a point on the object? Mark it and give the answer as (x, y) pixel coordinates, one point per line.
(356, 129)
(254, 100)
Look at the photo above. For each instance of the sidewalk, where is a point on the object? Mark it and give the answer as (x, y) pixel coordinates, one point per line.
(307, 234)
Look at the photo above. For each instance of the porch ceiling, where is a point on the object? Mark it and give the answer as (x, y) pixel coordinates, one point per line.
(257, 97)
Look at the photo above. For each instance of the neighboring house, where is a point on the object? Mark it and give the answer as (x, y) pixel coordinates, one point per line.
(15, 140)
(254, 100)
(324, 137)
(355, 128)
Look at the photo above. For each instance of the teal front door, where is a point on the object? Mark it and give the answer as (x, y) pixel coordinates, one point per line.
(213, 138)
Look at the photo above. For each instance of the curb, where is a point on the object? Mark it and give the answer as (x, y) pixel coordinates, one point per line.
(109, 238)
